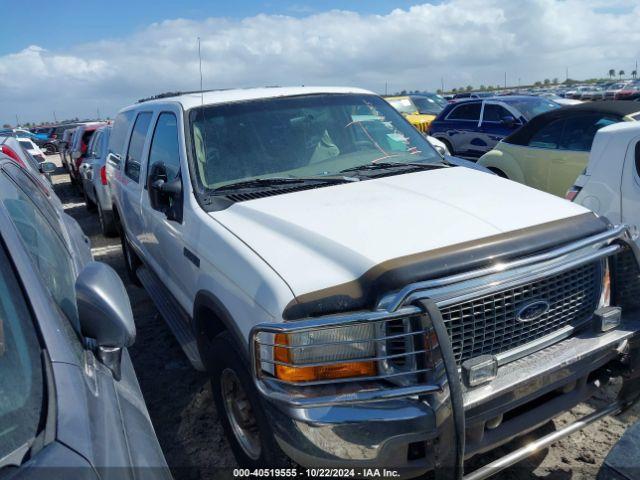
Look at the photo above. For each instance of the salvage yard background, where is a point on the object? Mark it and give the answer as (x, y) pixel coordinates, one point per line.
(186, 422)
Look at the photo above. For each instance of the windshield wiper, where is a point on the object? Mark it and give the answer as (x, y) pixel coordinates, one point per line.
(273, 181)
(392, 165)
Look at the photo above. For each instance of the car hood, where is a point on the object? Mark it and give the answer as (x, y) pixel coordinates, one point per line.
(328, 236)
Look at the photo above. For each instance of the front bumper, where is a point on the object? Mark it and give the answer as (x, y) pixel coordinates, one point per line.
(404, 433)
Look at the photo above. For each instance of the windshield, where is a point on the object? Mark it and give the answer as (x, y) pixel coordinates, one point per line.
(530, 107)
(403, 104)
(298, 137)
(428, 105)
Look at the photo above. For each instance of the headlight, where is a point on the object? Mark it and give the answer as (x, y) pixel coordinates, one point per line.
(325, 354)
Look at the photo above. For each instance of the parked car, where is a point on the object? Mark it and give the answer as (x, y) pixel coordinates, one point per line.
(52, 135)
(70, 400)
(315, 254)
(467, 95)
(470, 128)
(593, 92)
(610, 93)
(560, 100)
(629, 92)
(608, 183)
(32, 148)
(551, 151)
(64, 148)
(12, 148)
(78, 149)
(419, 116)
(95, 187)
(621, 463)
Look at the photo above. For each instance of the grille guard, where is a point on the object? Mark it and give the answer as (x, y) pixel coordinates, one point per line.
(441, 291)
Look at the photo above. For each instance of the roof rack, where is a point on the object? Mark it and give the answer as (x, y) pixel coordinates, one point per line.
(191, 92)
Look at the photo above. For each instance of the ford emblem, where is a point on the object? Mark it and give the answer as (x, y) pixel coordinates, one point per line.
(532, 310)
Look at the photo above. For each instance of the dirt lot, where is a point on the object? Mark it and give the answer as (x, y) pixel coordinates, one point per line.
(186, 421)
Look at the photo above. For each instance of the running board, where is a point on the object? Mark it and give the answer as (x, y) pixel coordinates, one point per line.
(541, 443)
(173, 315)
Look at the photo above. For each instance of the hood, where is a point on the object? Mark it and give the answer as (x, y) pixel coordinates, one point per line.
(319, 238)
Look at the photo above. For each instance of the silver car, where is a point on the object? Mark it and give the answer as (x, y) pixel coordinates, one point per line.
(95, 187)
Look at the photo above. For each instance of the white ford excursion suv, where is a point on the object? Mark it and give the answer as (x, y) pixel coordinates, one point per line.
(357, 300)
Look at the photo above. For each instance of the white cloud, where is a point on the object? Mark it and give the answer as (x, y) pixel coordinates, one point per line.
(464, 41)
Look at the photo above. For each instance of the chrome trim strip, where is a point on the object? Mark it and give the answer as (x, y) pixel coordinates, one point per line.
(349, 398)
(452, 295)
(394, 301)
(537, 344)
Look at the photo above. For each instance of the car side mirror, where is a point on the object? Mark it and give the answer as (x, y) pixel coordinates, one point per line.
(165, 195)
(509, 121)
(105, 315)
(47, 167)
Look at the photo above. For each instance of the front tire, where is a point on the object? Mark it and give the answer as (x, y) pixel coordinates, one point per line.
(240, 408)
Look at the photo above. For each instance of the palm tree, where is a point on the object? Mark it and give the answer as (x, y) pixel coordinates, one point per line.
(621, 73)
(612, 72)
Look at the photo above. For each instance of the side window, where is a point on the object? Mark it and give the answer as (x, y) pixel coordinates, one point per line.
(638, 158)
(46, 248)
(92, 144)
(119, 136)
(548, 136)
(21, 379)
(579, 132)
(96, 149)
(494, 113)
(164, 145)
(469, 111)
(136, 145)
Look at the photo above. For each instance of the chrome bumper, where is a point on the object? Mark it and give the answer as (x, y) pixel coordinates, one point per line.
(383, 434)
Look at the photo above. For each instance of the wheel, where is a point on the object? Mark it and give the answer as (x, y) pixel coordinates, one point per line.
(107, 222)
(448, 144)
(90, 204)
(50, 149)
(131, 260)
(240, 408)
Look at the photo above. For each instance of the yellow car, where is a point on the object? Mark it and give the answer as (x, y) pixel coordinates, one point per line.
(552, 150)
(419, 109)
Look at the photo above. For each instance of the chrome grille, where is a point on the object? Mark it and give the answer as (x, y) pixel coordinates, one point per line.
(488, 325)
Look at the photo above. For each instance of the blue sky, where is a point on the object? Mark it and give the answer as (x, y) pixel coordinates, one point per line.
(64, 23)
(75, 57)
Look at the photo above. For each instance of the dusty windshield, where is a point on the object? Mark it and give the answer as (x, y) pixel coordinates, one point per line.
(300, 137)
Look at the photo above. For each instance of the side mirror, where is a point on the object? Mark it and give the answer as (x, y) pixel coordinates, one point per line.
(47, 167)
(105, 313)
(509, 121)
(164, 195)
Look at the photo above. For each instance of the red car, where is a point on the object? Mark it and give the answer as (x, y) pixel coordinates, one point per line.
(630, 92)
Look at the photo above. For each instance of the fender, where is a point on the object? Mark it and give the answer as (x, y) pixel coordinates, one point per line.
(504, 162)
(207, 300)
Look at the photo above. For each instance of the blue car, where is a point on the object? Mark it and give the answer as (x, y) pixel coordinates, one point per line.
(470, 128)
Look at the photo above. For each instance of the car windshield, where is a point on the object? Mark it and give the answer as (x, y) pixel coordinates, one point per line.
(300, 137)
(428, 105)
(530, 107)
(403, 104)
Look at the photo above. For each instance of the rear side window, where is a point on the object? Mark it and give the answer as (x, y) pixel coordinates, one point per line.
(494, 113)
(579, 132)
(548, 136)
(21, 379)
(164, 145)
(119, 135)
(470, 111)
(136, 145)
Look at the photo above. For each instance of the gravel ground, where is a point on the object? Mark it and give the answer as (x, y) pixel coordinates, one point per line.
(185, 418)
